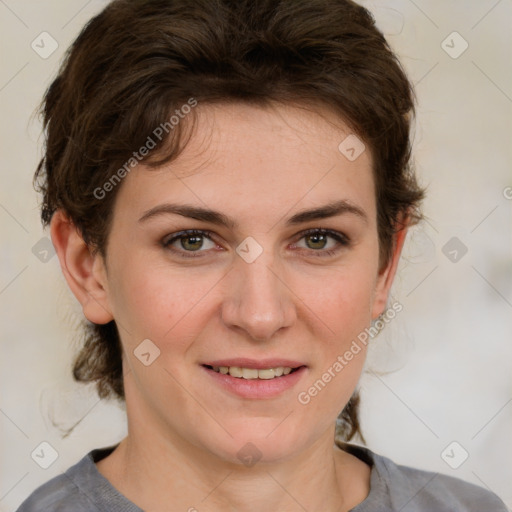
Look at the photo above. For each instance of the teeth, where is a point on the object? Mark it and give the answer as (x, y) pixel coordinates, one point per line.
(249, 373)
(266, 374)
(253, 373)
(235, 371)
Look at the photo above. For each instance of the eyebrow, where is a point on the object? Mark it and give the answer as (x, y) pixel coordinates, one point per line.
(332, 209)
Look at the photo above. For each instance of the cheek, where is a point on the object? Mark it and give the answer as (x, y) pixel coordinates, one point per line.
(344, 303)
(157, 301)
(345, 309)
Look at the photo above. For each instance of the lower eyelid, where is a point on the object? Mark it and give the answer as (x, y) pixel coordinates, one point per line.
(167, 241)
(341, 240)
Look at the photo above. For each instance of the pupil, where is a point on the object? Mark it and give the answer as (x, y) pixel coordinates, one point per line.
(316, 237)
(193, 237)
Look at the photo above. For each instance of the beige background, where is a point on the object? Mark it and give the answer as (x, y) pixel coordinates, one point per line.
(449, 351)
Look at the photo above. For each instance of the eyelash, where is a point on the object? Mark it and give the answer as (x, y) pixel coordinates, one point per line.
(342, 240)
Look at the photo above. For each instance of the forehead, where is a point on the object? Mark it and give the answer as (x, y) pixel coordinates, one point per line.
(258, 163)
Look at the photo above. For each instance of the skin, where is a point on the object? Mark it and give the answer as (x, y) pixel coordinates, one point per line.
(259, 166)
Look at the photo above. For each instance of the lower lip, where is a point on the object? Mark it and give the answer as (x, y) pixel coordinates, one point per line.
(257, 388)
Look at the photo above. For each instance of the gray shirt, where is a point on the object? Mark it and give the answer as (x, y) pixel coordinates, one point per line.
(393, 488)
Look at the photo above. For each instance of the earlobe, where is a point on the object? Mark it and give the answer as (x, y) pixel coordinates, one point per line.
(84, 270)
(387, 274)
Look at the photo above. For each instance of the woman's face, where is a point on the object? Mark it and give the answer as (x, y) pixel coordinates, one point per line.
(260, 293)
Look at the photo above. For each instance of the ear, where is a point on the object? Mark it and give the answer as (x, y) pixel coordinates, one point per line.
(387, 274)
(83, 269)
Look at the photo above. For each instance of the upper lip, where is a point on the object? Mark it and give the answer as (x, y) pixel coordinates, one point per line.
(260, 364)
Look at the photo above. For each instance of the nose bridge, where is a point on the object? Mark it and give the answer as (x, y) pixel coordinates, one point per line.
(258, 301)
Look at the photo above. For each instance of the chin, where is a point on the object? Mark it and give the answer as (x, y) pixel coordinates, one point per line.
(263, 441)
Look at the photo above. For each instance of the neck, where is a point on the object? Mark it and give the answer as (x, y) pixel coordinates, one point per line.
(158, 469)
(168, 474)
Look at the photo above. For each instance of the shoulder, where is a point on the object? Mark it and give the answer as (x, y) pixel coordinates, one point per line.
(59, 494)
(413, 490)
(431, 491)
(80, 489)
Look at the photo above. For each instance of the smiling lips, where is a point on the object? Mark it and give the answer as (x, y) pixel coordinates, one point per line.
(255, 379)
(253, 373)
(251, 369)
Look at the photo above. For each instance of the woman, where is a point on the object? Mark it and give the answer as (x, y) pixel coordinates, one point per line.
(228, 188)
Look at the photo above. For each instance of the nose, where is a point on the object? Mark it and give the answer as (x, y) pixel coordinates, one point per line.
(259, 301)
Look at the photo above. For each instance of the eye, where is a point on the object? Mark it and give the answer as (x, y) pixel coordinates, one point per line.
(192, 243)
(317, 241)
(189, 241)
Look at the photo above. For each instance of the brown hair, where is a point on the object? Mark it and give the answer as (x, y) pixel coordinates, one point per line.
(139, 61)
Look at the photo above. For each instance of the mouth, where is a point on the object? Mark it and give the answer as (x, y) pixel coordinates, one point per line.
(255, 379)
(254, 373)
